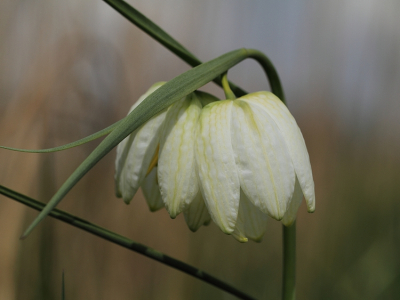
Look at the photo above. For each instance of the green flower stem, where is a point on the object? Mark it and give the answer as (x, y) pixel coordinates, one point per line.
(270, 71)
(125, 242)
(289, 262)
(162, 37)
(227, 90)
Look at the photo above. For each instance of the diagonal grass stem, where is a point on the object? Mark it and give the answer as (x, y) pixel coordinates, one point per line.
(126, 243)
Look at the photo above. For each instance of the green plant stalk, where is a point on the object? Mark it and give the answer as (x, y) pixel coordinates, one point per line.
(124, 242)
(289, 262)
(270, 71)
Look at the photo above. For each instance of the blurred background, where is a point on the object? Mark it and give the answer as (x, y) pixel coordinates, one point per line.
(70, 68)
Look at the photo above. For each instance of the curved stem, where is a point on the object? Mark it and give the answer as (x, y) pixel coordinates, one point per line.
(125, 242)
(270, 71)
(227, 90)
(289, 262)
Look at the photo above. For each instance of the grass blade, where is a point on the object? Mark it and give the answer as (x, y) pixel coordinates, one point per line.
(124, 242)
(163, 38)
(85, 140)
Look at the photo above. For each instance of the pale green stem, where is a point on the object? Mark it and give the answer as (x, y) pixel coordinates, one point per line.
(227, 89)
(289, 262)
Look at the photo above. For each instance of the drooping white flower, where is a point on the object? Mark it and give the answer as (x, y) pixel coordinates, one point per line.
(252, 163)
(159, 157)
(240, 161)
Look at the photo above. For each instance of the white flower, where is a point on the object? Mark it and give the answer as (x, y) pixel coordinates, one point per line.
(252, 163)
(235, 161)
(159, 157)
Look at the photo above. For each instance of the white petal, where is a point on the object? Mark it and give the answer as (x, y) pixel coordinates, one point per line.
(265, 169)
(176, 165)
(294, 139)
(122, 152)
(216, 164)
(196, 214)
(124, 146)
(139, 157)
(290, 215)
(151, 191)
(251, 222)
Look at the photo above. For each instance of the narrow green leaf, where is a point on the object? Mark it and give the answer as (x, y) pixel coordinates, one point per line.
(163, 97)
(124, 242)
(153, 30)
(87, 139)
(163, 38)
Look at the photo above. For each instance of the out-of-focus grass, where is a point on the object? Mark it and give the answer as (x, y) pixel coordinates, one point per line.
(69, 81)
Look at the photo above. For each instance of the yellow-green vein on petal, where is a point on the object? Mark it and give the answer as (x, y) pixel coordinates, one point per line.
(176, 168)
(271, 104)
(264, 165)
(216, 164)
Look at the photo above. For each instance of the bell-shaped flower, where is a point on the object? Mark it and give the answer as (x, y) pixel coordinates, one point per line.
(252, 163)
(159, 157)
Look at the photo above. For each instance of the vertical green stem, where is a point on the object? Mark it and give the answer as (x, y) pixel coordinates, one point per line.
(289, 262)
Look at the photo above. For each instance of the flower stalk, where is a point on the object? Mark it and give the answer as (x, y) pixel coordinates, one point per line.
(289, 262)
(227, 89)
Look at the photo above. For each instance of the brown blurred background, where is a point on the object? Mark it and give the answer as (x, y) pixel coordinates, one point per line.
(70, 68)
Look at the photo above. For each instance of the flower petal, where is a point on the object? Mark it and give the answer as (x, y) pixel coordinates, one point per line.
(140, 154)
(151, 191)
(294, 139)
(251, 222)
(124, 146)
(265, 169)
(290, 215)
(196, 214)
(216, 164)
(176, 165)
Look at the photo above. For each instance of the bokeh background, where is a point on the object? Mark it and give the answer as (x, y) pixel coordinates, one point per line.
(70, 68)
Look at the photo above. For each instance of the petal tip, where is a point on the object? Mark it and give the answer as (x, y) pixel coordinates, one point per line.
(127, 201)
(154, 208)
(288, 222)
(311, 207)
(258, 239)
(241, 239)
